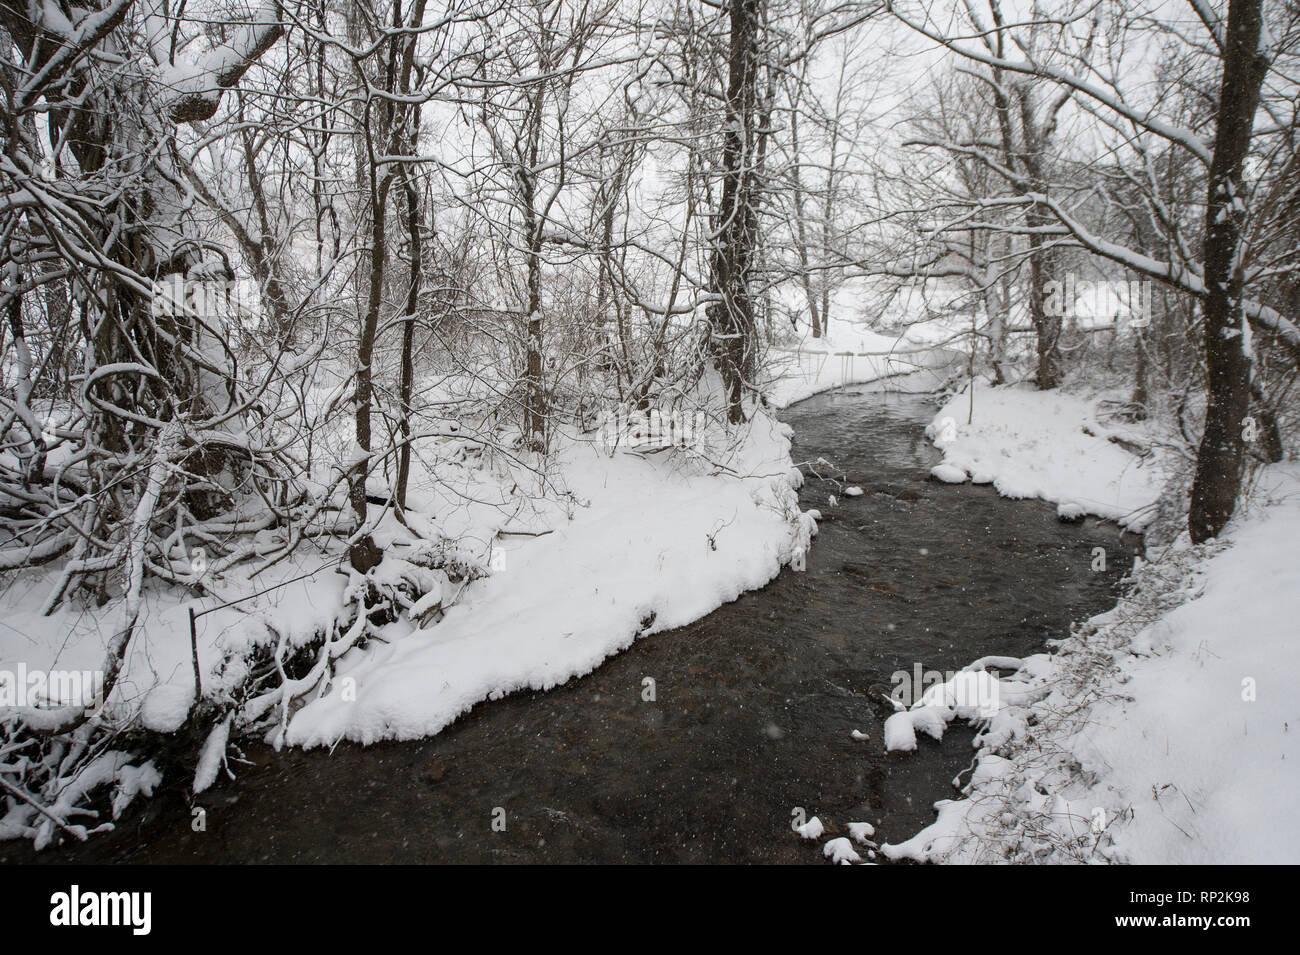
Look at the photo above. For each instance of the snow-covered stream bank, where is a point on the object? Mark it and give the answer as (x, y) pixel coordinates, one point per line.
(650, 543)
(620, 544)
(1161, 731)
(518, 574)
(749, 713)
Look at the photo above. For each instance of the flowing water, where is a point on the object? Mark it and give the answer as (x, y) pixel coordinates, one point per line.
(754, 705)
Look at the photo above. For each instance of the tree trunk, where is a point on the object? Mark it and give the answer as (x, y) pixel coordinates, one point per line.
(1042, 269)
(534, 387)
(407, 384)
(1219, 461)
(811, 294)
(995, 310)
(364, 553)
(1141, 379)
(731, 321)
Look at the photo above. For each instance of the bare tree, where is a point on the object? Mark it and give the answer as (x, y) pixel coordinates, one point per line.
(1216, 268)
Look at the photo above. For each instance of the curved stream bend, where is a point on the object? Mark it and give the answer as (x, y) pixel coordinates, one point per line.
(754, 704)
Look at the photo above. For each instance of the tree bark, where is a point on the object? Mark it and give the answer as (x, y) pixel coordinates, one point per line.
(406, 386)
(364, 553)
(1219, 461)
(1043, 269)
(731, 320)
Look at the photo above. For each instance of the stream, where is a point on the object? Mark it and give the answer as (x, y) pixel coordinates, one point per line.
(754, 704)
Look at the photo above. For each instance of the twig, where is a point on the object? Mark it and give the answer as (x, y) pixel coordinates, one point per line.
(77, 833)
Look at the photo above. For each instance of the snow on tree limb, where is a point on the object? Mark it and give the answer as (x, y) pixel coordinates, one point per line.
(1186, 278)
(1112, 99)
(198, 87)
(45, 23)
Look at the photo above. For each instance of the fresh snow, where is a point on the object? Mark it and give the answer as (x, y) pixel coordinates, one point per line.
(1049, 445)
(652, 543)
(900, 733)
(1160, 731)
(861, 832)
(949, 474)
(812, 829)
(213, 756)
(841, 852)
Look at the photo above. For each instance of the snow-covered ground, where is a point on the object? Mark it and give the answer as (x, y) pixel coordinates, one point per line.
(625, 543)
(1160, 731)
(1051, 445)
(648, 543)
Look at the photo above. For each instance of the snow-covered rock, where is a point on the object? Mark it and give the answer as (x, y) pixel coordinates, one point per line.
(861, 832)
(841, 852)
(812, 829)
(900, 734)
(948, 473)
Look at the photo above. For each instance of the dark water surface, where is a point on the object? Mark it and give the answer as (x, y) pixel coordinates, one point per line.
(754, 704)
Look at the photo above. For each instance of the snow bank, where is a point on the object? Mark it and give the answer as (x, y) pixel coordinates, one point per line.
(1049, 445)
(1160, 733)
(559, 563)
(653, 542)
(156, 688)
